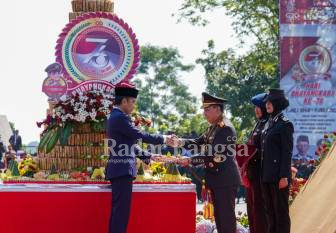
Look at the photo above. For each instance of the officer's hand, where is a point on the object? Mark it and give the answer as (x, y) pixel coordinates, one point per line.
(157, 158)
(173, 141)
(283, 183)
(184, 161)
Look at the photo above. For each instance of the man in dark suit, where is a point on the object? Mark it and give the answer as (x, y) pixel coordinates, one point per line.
(16, 141)
(123, 149)
(217, 147)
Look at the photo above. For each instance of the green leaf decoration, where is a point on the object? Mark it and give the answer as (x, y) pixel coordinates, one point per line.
(141, 169)
(53, 140)
(65, 133)
(45, 138)
(13, 167)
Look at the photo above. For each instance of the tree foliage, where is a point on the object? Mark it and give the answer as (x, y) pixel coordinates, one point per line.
(238, 79)
(250, 17)
(164, 97)
(234, 77)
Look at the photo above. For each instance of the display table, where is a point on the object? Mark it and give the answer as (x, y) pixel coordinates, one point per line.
(156, 208)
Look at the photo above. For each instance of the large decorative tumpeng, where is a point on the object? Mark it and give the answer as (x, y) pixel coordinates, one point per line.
(95, 51)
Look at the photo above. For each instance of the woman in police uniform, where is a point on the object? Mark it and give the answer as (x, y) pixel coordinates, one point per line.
(255, 202)
(276, 153)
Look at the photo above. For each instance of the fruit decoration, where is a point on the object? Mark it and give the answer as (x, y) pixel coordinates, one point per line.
(27, 167)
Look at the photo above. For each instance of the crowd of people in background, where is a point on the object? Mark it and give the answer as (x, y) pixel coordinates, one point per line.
(12, 151)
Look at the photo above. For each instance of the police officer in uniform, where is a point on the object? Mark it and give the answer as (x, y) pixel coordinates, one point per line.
(276, 153)
(255, 202)
(121, 167)
(222, 176)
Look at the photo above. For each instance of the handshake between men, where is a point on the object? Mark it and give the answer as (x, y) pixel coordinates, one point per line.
(172, 141)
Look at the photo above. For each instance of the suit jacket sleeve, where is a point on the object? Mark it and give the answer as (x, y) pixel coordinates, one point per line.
(20, 141)
(129, 130)
(142, 154)
(286, 136)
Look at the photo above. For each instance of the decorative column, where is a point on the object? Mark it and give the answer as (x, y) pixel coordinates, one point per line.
(80, 7)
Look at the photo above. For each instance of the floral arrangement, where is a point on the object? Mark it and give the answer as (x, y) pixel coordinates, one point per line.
(242, 219)
(27, 167)
(208, 226)
(204, 226)
(158, 168)
(91, 106)
(140, 120)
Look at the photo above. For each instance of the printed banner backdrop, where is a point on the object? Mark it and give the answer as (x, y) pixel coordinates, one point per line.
(308, 69)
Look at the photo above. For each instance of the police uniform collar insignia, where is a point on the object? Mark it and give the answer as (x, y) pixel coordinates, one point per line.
(268, 125)
(263, 120)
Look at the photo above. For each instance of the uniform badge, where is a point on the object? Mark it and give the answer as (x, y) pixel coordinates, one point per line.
(211, 165)
(219, 158)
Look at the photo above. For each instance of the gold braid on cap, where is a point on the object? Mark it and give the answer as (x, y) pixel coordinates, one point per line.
(211, 103)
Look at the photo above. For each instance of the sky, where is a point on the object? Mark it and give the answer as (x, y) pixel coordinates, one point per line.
(30, 30)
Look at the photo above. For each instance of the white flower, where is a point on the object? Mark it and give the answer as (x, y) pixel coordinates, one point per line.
(63, 98)
(93, 115)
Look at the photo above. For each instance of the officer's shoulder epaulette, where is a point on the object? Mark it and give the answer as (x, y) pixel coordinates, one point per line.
(221, 124)
(285, 119)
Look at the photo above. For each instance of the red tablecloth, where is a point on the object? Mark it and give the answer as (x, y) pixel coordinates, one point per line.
(87, 211)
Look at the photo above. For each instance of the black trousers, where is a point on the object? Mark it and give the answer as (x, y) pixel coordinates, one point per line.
(276, 207)
(224, 208)
(121, 203)
(255, 207)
